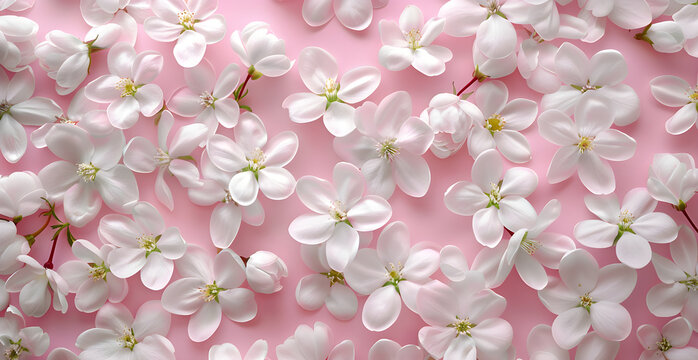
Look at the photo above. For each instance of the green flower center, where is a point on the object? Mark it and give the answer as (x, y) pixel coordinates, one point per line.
(98, 271)
(413, 37)
(207, 100)
(14, 350)
(335, 277)
(87, 171)
(585, 143)
(162, 158)
(495, 123)
(149, 242)
(387, 149)
(186, 19)
(210, 292)
(693, 97)
(625, 219)
(462, 326)
(127, 87)
(663, 345)
(494, 196)
(337, 211)
(586, 301)
(331, 89)
(4, 108)
(394, 275)
(586, 87)
(256, 162)
(691, 282)
(128, 339)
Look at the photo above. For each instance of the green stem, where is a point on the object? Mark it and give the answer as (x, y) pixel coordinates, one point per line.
(242, 87)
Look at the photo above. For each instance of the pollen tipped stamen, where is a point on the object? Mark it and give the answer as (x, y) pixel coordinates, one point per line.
(387, 149)
(530, 246)
(331, 89)
(98, 272)
(186, 19)
(462, 326)
(625, 219)
(337, 211)
(693, 97)
(162, 158)
(4, 107)
(691, 282)
(494, 196)
(663, 345)
(256, 161)
(210, 292)
(495, 123)
(128, 339)
(127, 87)
(585, 143)
(586, 301)
(206, 99)
(413, 37)
(15, 350)
(63, 119)
(335, 277)
(87, 171)
(149, 243)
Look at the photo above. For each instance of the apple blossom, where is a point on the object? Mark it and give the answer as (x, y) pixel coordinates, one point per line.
(227, 351)
(207, 289)
(142, 244)
(687, 19)
(588, 296)
(18, 341)
(601, 76)
(325, 287)
(264, 271)
(257, 164)
(11, 246)
(494, 201)
(33, 282)
(125, 13)
(17, 41)
(191, 24)
(673, 178)
(674, 91)
(386, 349)
(262, 52)
(88, 174)
(388, 145)
(314, 344)
(352, 14)
(669, 344)
(119, 335)
(318, 70)
(18, 108)
(128, 89)
(665, 36)
(536, 63)
(340, 212)
(21, 194)
(90, 277)
(451, 119)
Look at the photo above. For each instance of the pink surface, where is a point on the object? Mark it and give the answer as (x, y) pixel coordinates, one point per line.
(427, 217)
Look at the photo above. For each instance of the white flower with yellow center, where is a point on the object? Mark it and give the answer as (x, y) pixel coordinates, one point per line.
(20, 342)
(674, 91)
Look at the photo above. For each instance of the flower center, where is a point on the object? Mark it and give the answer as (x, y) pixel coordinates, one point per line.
(337, 211)
(663, 345)
(128, 339)
(162, 158)
(585, 301)
(256, 162)
(387, 149)
(87, 171)
(14, 350)
(585, 143)
(149, 242)
(530, 245)
(462, 326)
(186, 19)
(228, 198)
(413, 38)
(331, 88)
(495, 123)
(210, 292)
(4, 108)
(98, 272)
(625, 219)
(207, 100)
(693, 97)
(335, 277)
(127, 87)
(394, 275)
(63, 119)
(586, 87)
(691, 282)
(494, 195)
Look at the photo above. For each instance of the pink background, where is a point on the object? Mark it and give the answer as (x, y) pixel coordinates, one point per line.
(427, 217)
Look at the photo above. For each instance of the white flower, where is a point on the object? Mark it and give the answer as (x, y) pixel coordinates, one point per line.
(207, 289)
(340, 212)
(257, 164)
(501, 123)
(325, 287)
(586, 144)
(88, 174)
(125, 13)
(21, 194)
(391, 274)
(118, 335)
(673, 178)
(670, 343)
(679, 280)
(227, 215)
(141, 156)
(494, 201)
(463, 320)
(674, 91)
(330, 98)
(33, 282)
(206, 97)
(630, 227)
(18, 341)
(627, 14)
(687, 19)
(451, 119)
(410, 43)
(352, 14)
(386, 349)
(67, 59)
(11, 246)
(18, 108)
(191, 24)
(536, 63)
(586, 297)
(128, 89)
(227, 351)
(90, 277)
(600, 76)
(260, 50)
(314, 344)
(264, 271)
(17, 41)
(61, 354)
(388, 146)
(143, 245)
(665, 36)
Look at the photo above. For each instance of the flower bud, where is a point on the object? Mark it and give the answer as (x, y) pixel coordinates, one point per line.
(451, 119)
(665, 37)
(264, 272)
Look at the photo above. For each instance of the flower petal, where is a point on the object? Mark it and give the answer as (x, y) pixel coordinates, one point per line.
(381, 309)
(189, 49)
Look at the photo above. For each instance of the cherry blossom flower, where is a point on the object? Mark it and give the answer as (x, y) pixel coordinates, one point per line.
(142, 244)
(128, 89)
(686, 19)
(386, 349)
(451, 119)
(257, 164)
(499, 127)
(33, 282)
(318, 70)
(11, 246)
(141, 156)
(341, 211)
(118, 335)
(627, 14)
(325, 287)
(125, 13)
(17, 41)
(227, 215)
(670, 343)
(586, 144)
(630, 227)
(536, 63)
(352, 14)
(673, 179)
(18, 108)
(192, 25)
(588, 296)
(67, 59)
(227, 351)
(21, 194)
(207, 289)
(264, 271)
(90, 277)
(314, 344)
(388, 145)
(391, 274)
(494, 201)
(674, 91)
(88, 174)
(206, 97)
(601, 77)
(679, 280)
(664, 36)
(410, 43)
(463, 320)
(261, 51)
(18, 341)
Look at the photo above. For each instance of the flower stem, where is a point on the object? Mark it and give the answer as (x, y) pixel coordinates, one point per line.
(689, 220)
(49, 262)
(472, 81)
(240, 93)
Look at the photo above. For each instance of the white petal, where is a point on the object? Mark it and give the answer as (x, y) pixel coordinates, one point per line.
(370, 213)
(579, 271)
(487, 228)
(358, 83)
(411, 174)
(190, 48)
(381, 309)
(317, 12)
(610, 320)
(596, 174)
(614, 145)
(341, 302)
(496, 37)
(670, 90)
(354, 14)
(342, 246)
(224, 224)
(13, 139)
(312, 229)
(682, 120)
(316, 66)
(238, 305)
(204, 322)
(395, 58)
(339, 119)
(570, 327)
(304, 107)
(607, 68)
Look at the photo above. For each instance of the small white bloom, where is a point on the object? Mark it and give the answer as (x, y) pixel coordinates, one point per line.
(314, 344)
(261, 51)
(665, 36)
(33, 282)
(17, 41)
(669, 344)
(264, 271)
(451, 119)
(227, 351)
(20, 342)
(673, 178)
(674, 91)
